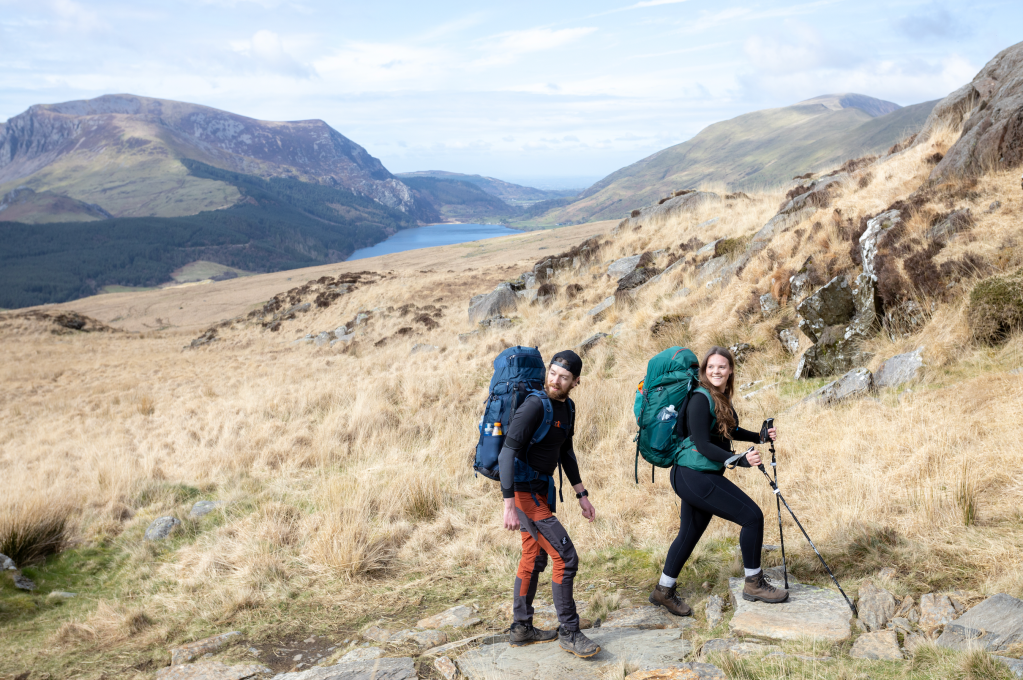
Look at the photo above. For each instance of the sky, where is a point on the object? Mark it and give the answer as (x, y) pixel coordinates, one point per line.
(552, 94)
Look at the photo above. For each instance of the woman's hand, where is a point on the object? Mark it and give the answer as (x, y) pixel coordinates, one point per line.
(753, 457)
(772, 434)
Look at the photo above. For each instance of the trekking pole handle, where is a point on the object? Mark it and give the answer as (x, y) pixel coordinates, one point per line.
(731, 462)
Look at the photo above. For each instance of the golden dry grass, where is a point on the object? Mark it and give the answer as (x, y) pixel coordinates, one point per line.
(349, 470)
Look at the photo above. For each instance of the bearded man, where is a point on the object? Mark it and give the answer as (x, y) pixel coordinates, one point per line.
(527, 484)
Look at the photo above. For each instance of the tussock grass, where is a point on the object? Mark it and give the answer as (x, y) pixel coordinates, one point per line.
(33, 527)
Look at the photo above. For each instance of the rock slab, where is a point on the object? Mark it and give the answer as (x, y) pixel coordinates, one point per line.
(642, 649)
(201, 508)
(493, 304)
(621, 268)
(994, 624)
(883, 644)
(810, 612)
(645, 618)
(898, 370)
(161, 528)
(461, 616)
(935, 610)
(402, 668)
(210, 670)
(192, 650)
(422, 639)
(446, 667)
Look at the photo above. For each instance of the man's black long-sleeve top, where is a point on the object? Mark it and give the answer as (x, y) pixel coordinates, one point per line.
(710, 443)
(542, 456)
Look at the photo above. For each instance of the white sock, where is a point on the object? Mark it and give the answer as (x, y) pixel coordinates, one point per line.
(752, 572)
(667, 581)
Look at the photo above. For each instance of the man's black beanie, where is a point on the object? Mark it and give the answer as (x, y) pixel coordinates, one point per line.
(569, 360)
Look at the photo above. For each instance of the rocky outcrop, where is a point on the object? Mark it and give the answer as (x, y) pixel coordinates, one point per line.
(876, 606)
(899, 370)
(990, 110)
(857, 382)
(831, 305)
(624, 266)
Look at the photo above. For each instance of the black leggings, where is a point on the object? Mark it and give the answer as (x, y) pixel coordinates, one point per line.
(705, 495)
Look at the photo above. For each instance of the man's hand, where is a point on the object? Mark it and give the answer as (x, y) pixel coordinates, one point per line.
(588, 511)
(753, 457)
(511, 515)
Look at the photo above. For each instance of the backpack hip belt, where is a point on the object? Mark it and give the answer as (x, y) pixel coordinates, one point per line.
(525, 473)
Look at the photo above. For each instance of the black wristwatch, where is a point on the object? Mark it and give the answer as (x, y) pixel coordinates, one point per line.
(584, 493)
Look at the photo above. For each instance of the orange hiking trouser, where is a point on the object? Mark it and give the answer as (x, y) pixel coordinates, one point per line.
(543, 535)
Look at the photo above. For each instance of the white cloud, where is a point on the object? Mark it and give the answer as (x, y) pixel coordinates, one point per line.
(266, 51)
(510, 46)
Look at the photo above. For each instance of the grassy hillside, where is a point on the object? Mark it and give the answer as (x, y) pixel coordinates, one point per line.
(753, 151)
(459, 201)
(279, 224)
(351, 501)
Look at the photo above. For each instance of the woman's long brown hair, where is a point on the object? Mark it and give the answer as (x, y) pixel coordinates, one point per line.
(722, 398)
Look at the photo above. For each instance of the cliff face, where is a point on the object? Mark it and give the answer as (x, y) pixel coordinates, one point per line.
(126, 128)
(990, 110)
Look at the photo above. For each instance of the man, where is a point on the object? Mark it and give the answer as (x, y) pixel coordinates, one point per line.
(527, 484)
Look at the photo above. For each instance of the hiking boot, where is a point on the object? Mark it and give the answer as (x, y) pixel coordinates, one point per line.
(757, 588)
(575, 642)
(522, 634)
(667, 597)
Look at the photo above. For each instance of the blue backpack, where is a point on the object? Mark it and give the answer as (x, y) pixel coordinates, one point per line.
(518, 373)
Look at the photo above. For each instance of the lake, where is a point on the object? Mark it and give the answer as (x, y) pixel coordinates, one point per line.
(433, 235)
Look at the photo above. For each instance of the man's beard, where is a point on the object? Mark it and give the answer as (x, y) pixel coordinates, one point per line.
(556, 393)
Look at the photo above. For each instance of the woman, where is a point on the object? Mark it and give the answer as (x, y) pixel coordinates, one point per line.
(707, 429)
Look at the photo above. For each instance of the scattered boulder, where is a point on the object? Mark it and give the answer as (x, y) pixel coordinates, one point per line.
(768, 303)
(464, 338)
(673, 210)
(935, 611)
(899, 370)
(713, 609)
(741, 351)
(707, 223)
(855, 383)
(670, 322)
(200, 508)
(344, 339)
(546, 292)
(876, 606)
(6, 563)
(799, 283)
(422, 348)
(836, 351)
(709, 250)
(788, 340)
(211, 670)
(623, 267)
(712, 268)
(61, 595)
(598, 311)
(161, 528)
(461, 616)
(831, 305)
(995, 205)
(392, 668)
(995, 625)
(636, 278)
(22, 582)
(882, 644)
(781, 222)
(810, 612)
(208, 336)
(193, 650)
(591, 342)
(493, 304)
(362, 654)
(955, 223)
(446, 667)
(322, 339)
(377, 633)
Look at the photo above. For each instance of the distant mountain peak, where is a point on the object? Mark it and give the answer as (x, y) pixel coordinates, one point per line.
(850, 100)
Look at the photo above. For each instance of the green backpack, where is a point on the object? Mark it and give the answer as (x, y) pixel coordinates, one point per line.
(661, 398)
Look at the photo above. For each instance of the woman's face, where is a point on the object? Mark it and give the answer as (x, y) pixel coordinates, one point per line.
(718, 371)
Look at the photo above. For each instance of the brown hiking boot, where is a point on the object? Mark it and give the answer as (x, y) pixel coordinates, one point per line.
(667, 597)
(757, 588)
(575, 642)
(522, 634)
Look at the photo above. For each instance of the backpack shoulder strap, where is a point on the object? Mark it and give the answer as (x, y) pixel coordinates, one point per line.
(548, 415)
(571, 415)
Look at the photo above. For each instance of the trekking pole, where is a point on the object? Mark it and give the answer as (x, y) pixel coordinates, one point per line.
(777, 493)
(764, 438)
(730, 463)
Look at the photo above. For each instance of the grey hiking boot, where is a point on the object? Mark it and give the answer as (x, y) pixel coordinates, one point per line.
(575, 642)
(757, 588)
(667, 597)
(522, 634)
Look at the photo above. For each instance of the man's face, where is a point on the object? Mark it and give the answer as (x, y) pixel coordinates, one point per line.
(560, 382)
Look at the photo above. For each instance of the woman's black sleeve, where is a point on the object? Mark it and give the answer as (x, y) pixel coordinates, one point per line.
(698, 421)
(741, 435)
